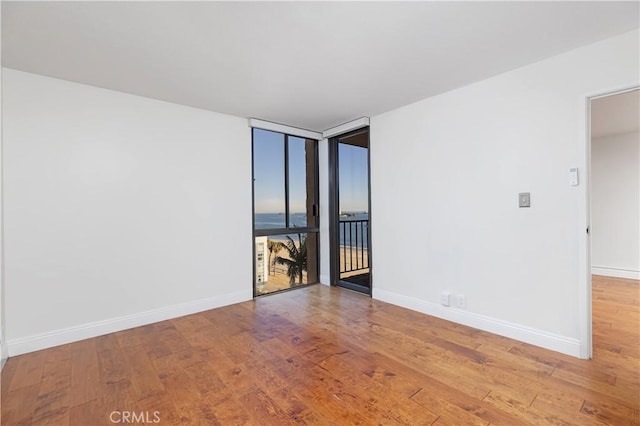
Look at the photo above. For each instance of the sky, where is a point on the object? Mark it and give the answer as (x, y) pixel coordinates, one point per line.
(268, 154)
(353, 178)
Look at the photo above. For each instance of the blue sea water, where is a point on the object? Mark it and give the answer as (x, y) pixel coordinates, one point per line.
(351, 227)
(277, 220)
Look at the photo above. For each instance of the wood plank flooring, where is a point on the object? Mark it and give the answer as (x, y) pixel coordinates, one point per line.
(328, 356)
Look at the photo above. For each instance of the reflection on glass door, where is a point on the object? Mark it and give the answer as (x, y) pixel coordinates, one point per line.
(285, 193)
(351, 267)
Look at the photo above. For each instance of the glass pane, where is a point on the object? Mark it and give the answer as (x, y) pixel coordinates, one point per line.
(354, 249)
(354, 179)
(354, 218)
(302, 174)
(285, 261)
(268, 175)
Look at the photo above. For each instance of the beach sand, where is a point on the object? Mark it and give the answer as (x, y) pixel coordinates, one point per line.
(278, 279)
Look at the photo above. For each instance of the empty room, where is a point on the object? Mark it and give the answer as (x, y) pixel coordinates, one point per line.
(328, 213)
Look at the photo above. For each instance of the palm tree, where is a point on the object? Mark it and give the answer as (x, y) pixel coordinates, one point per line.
(296, 261)
(274, 247)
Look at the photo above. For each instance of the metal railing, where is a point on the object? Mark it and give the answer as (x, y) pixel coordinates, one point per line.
(354, 245)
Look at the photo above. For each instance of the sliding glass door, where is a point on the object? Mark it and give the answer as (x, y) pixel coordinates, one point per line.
(285, 205)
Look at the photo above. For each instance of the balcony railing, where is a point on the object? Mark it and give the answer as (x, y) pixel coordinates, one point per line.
(354, 245)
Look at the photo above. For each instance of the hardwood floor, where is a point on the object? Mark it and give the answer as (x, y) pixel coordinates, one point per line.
(326, 356)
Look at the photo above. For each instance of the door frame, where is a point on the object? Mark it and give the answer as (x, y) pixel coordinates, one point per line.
(586, 294)
(334, 214)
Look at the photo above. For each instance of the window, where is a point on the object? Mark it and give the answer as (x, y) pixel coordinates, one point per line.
(285, 219)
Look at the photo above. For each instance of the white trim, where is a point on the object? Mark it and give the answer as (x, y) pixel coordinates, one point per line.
(626, 89)
(615, 272)
(99, 328)
(4, 351)
(324, 280)
(554, 342)
(583, 222)
(346, 127)
(283, 128)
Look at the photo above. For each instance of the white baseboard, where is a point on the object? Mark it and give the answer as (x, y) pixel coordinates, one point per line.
(99, 328)
(324, 279)
(554, 342)
(616, 273)
(4, 354)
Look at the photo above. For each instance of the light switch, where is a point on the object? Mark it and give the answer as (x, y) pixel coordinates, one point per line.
(573, 176)
(524, 199)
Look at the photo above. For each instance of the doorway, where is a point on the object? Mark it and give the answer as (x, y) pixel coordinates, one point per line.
(613, 226)
(350, 223)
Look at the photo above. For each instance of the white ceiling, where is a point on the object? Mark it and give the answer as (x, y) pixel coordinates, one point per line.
(311, 65)
(615, 114)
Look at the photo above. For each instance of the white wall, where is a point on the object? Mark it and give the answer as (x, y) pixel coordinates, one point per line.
(325, 255)
(615, 205)
(446, 173)
(119, 210)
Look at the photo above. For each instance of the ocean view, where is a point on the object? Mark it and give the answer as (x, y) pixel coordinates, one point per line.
(277, 220)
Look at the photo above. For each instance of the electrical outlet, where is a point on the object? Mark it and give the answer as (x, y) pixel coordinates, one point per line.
(445, 298)
(462, 301)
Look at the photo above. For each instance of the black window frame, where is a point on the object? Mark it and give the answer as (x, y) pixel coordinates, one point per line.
(287, 229)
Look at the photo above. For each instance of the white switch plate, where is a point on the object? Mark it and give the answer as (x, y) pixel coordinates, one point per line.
(573, 176)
